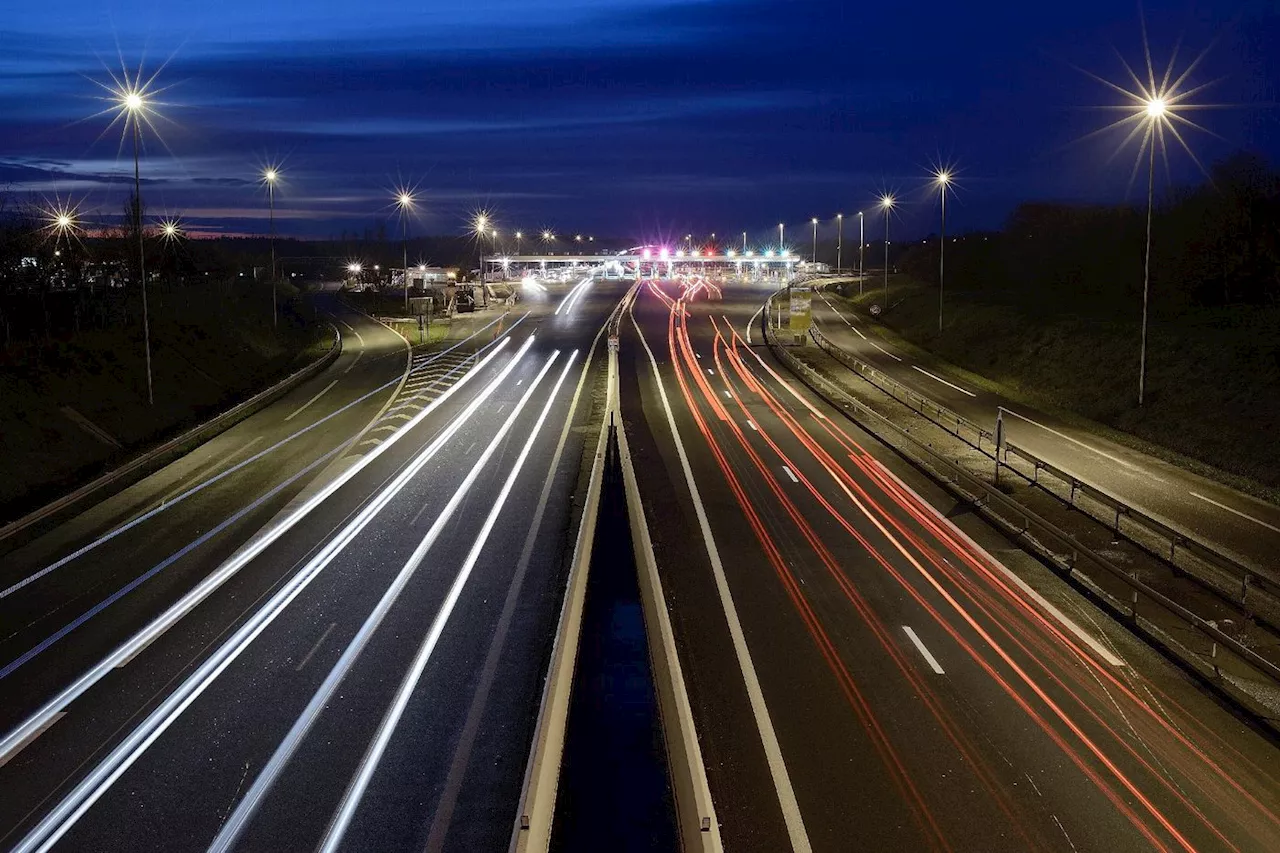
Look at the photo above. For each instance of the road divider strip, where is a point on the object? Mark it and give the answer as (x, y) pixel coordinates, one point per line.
(536, 813)
(698, 827)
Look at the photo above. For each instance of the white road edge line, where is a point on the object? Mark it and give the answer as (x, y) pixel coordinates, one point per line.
(305, 405)
(1085, 637)
(937, 378)
(924, 653)
(764, 723)
(1234, 511)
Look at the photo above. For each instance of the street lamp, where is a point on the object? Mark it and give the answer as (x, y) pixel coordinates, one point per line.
(404, 200)
(839, 237)
(744, 241)
(862, 245)
(942, 178)
(269, 177)
(519, 237)
(1157, 112)
(886, 202)
(781, 239)
(815, 239)
(134, 105)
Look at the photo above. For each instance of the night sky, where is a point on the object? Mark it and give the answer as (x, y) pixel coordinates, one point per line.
(620, 117)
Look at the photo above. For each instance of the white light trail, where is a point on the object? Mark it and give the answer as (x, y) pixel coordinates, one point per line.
(205, 588)
(369, 764)
(112, 534)
(289, 745)
(571, 298)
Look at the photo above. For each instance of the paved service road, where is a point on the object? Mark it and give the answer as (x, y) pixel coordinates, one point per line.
(368, 666)
(1234, 522)
(866, 676)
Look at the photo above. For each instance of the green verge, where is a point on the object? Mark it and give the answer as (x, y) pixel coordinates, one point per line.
(1213, 401)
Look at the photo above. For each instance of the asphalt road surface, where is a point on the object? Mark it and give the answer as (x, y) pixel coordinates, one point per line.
(363, 659)
(341, 645)
(866, 676)
(1234, 522)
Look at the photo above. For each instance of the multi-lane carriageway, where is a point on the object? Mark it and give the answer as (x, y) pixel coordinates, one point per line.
(356, 661)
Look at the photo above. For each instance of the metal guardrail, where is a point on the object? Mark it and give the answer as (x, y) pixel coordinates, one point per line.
(1179, 542)
(1204, 648)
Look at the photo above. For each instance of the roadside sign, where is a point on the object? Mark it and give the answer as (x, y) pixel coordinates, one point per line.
(875, 310)
(801, 316)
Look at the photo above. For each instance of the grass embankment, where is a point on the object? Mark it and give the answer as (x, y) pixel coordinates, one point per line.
(210, 348)
(1213, 376)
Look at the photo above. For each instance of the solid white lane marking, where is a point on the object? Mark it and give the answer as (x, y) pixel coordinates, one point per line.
(1086, 638)
(1235, 511)
(29, 739)
(324, 636)
(752, 322)
(764, 722)
(924, 653)
(789, 473)
(305, 405)
(882, 349)
(937, 378)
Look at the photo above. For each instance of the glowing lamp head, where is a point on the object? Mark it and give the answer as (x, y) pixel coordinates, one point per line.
(1157, 107)
(664, 253)
(270, 176)
(943, 178)
(63, 221)
(647, 253)
(353, 268)
(519, 235)
(133, 101)
(170, 229)
(404, 199)
(886, 201)
(814, 220)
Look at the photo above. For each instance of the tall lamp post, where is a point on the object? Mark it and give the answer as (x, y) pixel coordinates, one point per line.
(781, 238)
(744, 242)
(943, 179)
(405, 202)
(862, 245)
(815, 239)
(1156, 110)
(269, 177)
(134, 104)
(839, 238)
(886, 202)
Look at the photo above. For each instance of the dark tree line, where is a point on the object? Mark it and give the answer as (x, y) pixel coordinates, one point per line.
(1216, 244)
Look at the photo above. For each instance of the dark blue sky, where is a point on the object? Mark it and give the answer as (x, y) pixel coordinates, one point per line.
(624, 117)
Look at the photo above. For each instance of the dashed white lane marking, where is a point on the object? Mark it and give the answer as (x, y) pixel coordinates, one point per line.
(1235, 511)
(924, 652)
(304, 406)
(316, 647)
(1086, 638)
(752, 425)
(882, 349)
(728, 393)
(358, 338)
(26, 742)
(858, 331)
(712, 372)
(937, 378)
(788, 472)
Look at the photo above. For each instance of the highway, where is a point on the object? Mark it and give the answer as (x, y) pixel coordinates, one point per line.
(342, 644)
(865, 671)
(1235, 523)
(366, 642)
